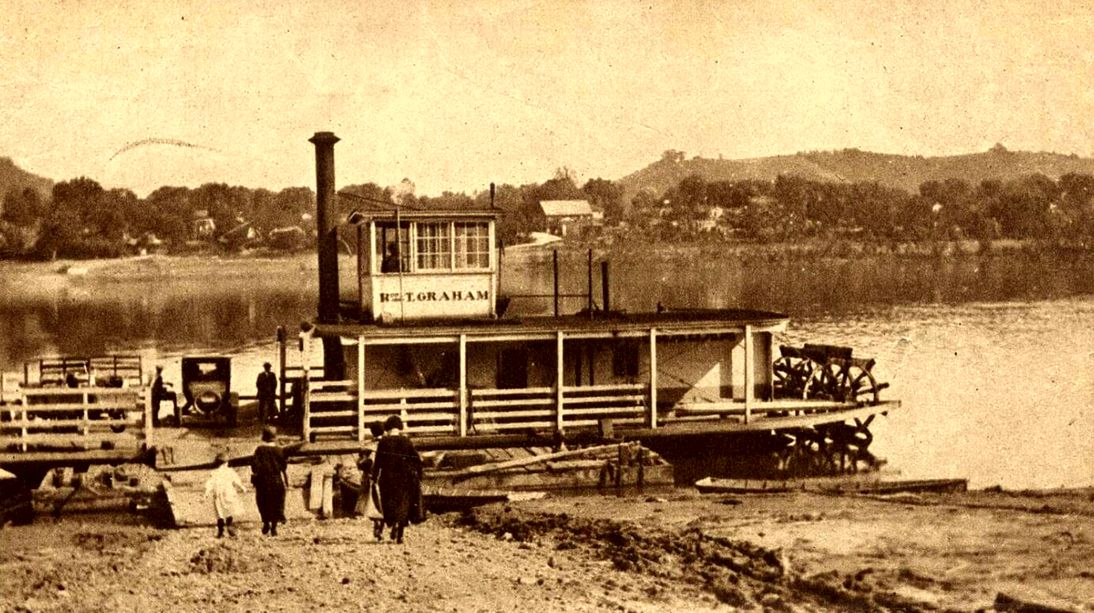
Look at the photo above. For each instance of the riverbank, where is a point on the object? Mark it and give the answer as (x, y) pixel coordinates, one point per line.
(673, 551)
(262, 264)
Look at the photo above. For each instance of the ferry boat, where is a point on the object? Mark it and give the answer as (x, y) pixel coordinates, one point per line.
(429, 338)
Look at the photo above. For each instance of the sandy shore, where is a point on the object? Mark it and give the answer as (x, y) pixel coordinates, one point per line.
(668, 552)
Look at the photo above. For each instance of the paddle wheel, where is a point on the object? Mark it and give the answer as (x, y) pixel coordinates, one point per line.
(827, 373)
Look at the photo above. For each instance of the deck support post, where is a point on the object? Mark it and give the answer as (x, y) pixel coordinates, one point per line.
(749, 375)
(463, 386)
(653, 377)
(281, 367)
(559, 381)
(360, 389)
(305, 350)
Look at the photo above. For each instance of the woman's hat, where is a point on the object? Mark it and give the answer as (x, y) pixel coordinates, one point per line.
(392, 423)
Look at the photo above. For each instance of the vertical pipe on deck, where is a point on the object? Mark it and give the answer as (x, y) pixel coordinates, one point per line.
(653, 378)
(559, 382)
(604, 285)
(555, 261)
(749, 375)
(463, 386)
(361, 388)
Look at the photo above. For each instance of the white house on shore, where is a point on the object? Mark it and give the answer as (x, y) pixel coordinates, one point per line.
(565, 217)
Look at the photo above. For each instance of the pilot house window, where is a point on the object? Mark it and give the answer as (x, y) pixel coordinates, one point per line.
(434, 246)
(472, 245)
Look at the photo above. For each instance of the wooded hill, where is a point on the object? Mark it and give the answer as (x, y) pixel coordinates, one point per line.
(854, 166)
(14, 178)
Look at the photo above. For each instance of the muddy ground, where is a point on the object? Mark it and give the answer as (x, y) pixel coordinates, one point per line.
(674, 551)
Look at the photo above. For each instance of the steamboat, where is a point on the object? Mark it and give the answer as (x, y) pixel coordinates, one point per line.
(429, 338)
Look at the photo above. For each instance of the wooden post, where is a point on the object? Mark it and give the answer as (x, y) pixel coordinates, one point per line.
(462, 425)
(749, 375)
(149, 407)
(559, 383)
(619, 470)
(305, 350)
(653, 377)
(361, 388)
(281, 369)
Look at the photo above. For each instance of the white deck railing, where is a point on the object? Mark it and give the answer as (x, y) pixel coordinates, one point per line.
(78, 418)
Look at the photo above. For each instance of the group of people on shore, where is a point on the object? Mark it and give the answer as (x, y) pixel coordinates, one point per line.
(390, 483)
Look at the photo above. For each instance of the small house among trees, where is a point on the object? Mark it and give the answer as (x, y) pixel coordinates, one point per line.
(568, 217)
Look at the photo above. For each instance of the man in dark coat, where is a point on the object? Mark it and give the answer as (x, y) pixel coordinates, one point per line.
(267, 394)
(269, 477)
(159, 394)
(398, 470)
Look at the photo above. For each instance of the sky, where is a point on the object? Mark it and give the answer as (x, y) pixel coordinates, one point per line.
(454, 95)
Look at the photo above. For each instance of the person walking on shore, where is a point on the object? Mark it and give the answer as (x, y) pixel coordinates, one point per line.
(398, 471)
(224, 488)
(267, 395)
(269, 477)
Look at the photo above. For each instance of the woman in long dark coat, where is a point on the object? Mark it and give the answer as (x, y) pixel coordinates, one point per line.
(270, 480)
(398, 470)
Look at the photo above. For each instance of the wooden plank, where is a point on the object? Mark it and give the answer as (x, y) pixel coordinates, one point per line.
(487, 404)
(539, 459)
(481, 415)
(487, 426)
(560, 399)
(653, 379)
(53, 424)
(397, 394)
(462, 427)
(632, 399)
(749, 375)
(326, 509)
(315, 488)
(621, 387)
(528, 391)
(360, 372)
(380, 408)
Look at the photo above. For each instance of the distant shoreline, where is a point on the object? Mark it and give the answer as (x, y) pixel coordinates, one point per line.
(14, 273)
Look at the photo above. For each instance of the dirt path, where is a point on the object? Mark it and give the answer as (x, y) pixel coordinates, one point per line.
(673, 552)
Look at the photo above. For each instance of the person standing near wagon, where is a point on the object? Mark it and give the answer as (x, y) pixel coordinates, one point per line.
(398, 471)
(269, 477)
(267, 394)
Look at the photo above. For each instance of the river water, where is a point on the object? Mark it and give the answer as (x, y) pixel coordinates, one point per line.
(991, 356)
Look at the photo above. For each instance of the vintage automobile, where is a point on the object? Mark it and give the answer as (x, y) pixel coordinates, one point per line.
(207, 387)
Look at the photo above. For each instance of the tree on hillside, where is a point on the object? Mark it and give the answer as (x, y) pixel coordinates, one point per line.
(23, 207)
(606, 196)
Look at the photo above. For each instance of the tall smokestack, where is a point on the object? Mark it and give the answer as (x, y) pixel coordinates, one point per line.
(326, 226)
(325, 221)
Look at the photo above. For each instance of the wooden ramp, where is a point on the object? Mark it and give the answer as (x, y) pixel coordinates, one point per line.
(189, 508)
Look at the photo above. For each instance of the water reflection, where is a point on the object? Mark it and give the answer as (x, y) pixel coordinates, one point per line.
(991, 355)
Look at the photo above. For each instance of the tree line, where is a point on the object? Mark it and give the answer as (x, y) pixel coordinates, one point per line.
(82, 219)
(788, 208)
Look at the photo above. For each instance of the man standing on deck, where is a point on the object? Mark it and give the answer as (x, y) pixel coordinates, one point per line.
(267, 394)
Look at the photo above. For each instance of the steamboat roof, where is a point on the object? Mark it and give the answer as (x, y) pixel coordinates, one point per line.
(615, 321)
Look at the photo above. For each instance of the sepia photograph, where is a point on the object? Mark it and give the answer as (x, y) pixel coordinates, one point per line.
(546, 305)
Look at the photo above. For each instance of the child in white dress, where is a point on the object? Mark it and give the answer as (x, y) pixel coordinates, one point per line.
(224, 487)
